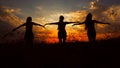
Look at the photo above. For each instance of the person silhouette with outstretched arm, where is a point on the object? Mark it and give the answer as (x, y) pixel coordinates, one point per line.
(28, 33)
(90, 27)
(62, 34)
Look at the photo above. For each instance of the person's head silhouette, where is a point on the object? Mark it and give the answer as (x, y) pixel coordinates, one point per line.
(29, 19)
(61, 18)
(89, 16)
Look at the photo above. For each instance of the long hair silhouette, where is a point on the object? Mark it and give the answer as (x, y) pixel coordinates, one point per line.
(28, 32)
(90, 27)
(62, 34)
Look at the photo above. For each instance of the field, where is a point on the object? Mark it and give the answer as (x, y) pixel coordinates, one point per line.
(104, 54)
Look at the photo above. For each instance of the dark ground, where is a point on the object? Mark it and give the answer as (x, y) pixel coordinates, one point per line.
(105, 54)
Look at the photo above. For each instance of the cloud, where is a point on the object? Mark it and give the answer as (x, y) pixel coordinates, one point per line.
(105, 13)
(8, 21)
(7, 15)
(100, 12)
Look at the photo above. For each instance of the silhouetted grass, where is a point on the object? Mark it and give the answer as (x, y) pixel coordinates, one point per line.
(104, 54)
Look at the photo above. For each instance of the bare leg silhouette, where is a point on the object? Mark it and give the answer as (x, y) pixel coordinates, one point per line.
(64, 40)
(29, 43)
(61, 29)
(60, 41)
(90, 27)
(28, 33)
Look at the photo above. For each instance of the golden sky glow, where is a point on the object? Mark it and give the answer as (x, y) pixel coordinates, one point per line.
(13, 17)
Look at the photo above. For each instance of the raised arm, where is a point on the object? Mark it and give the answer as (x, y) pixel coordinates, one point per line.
(19, 27)
(37, 24)
(100, 22)
(56, 23)
(70, 22)
(78, 23)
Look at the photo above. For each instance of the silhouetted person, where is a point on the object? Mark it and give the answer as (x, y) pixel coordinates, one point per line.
(61, 29)
(28, 33)
(90, 27)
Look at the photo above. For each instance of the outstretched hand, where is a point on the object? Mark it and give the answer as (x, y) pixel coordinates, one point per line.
(73, 25)
(77, 23)
(13, 29)
(108, 23)
(45, 24)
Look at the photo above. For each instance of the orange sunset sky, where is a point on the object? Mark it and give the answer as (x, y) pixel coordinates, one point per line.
(11, 17)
